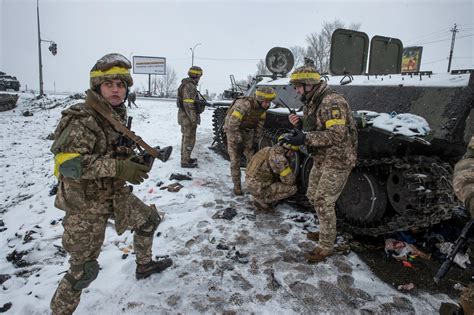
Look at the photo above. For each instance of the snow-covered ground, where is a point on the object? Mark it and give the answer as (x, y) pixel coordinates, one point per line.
(262, 271)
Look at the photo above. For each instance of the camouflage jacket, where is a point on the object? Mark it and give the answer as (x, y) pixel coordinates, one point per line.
(245, 113)
(84, 131)
(463, 179)
(331, 130)
(187, 101)
(270, 165)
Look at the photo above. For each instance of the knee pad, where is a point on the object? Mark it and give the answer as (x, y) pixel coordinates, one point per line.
(90, 271)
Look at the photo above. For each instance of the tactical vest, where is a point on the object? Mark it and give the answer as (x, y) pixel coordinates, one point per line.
(255, 168)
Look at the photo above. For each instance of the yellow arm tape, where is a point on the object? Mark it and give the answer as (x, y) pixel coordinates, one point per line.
(287, 171)
(237, 114)
(305, 75)
(111, 71)
(188, 100)
(60, 158)
(267, 96)
(263, 116)
(335, 122)
(195, 71)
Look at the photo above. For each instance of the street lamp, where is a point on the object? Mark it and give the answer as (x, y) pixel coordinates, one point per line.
(192, 53)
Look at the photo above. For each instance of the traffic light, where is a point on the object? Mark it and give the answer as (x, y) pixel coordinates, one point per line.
(53, 48)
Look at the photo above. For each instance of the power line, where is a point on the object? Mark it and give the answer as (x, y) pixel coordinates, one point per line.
(228, 59)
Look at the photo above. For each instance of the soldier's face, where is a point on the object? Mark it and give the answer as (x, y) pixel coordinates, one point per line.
(113, 91)
(265, 104)
(299, 88)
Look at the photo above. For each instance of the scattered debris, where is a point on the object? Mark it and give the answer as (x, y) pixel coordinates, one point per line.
(16, 258)
(5, 307)
(177, 176)
(406, 287)
(54, 189)
(228, 213)
(50, 136)
(27, 113)
(4, 278)
(175, 187)
(462, 260)
(401, 250)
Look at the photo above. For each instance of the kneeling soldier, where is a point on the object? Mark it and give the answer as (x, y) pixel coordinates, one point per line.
(269, 177)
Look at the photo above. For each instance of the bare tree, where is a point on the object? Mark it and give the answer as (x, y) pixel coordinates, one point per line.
(166, 85)
(298, 53)
(262, 68)
(319, 43)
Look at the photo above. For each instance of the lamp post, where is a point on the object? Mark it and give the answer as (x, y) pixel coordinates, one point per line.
(192, 53)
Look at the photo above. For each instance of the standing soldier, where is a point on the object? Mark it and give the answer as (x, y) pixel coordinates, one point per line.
(132, 97)
(269, 176)
(331, 137)
(463, 183)
(190, 107)
(243, 127)
(93, 166)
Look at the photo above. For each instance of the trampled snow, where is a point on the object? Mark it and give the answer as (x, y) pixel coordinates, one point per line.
(268, 275)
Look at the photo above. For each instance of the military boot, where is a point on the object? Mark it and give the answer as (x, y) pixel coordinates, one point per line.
(194, 161)
(145, 270)
(262, 206)
(317, 255)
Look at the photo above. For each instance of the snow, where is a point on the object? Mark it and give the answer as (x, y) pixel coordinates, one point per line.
(203, 279)
(434, 80)
(399, 124)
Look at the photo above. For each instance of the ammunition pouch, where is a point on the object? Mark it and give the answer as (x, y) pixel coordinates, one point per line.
(90, 271)
(254, 168)
(201, 105)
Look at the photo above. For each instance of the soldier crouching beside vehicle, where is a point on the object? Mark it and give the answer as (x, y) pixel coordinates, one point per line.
(93, 168)
(331, 136)
(463, 182)
(269, 176)
(244, 127)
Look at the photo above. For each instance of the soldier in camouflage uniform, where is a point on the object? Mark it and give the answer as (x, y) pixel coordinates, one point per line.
(463, 183)
(190, 107)
(269, 176)
(132, 97)
(93, 167)
(331, 136)
(244, 127)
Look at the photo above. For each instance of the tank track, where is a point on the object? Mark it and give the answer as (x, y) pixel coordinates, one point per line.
(429, 188)
(220, 145)
(435, 203)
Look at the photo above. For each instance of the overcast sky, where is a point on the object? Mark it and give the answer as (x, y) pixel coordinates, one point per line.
(234, 35)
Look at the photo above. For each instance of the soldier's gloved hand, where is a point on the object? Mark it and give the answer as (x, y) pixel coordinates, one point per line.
(131, 172)
(297, 138)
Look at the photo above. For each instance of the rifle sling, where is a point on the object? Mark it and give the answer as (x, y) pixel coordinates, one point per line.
(118, 126)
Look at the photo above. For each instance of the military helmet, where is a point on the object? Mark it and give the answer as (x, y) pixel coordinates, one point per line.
(195, 72)
(111, 67)
(305, 75)
(265, 93)
(281, 141)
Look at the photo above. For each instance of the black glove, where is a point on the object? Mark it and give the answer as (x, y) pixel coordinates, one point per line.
(297, 138)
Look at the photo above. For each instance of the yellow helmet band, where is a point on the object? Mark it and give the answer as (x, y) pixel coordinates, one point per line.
(305, 75)
(111, 71)
(266, 96)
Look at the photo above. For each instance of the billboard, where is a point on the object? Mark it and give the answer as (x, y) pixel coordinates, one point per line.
(149, 65)
(411, 59)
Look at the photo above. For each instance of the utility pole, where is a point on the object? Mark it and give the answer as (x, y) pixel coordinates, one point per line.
(192, 53)
(39, 53)
(454, 30)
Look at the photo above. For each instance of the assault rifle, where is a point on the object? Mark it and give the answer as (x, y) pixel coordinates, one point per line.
(147, 153)
(458, 245)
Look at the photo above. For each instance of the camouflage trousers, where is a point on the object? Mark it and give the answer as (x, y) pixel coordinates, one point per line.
(188, 140)
(236, 149)
(324, 187)
(83, 237)
(467, 299)
(269, 193)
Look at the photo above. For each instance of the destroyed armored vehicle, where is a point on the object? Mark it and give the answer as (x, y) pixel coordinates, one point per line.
(8, 82)
(403, 180)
